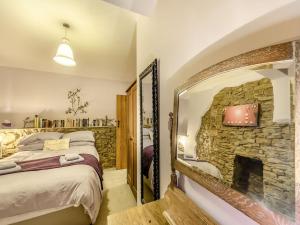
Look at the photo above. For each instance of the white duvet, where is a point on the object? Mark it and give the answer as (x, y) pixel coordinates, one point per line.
(28, 194)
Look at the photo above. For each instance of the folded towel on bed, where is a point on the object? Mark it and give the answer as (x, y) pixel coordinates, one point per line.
(11, 170)
(7, 165)
(63, 160)
(71, 156)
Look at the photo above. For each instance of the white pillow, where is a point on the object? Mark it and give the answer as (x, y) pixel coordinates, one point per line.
(80, 136)
(55, 145)
(40, 137)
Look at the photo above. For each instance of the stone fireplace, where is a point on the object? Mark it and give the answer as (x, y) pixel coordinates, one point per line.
(248, 177)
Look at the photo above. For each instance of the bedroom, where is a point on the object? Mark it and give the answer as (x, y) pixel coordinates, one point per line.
(40, 97)
(114, 43)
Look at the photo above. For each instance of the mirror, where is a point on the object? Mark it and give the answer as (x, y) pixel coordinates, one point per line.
(236, 131)
(149, 114)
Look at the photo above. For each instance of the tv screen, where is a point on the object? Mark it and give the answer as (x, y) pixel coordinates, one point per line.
(241, 115)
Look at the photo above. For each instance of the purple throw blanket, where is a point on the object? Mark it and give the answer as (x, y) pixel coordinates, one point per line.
(53, 162)
(147, 159)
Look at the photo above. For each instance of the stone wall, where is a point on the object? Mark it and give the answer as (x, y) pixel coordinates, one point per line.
(105, 140)
(270, 142)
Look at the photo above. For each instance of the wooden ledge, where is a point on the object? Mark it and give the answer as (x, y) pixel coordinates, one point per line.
(181, 209)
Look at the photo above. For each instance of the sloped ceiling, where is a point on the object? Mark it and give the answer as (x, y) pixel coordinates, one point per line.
(102, 37)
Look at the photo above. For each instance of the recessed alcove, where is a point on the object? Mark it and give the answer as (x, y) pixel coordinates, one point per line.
(248, 176)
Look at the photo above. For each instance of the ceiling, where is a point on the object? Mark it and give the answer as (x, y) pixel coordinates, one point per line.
(144, 7)
(102, 37)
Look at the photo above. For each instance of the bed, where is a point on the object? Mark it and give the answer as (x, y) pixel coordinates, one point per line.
(204, 166)
(31, 194)
(147, 158)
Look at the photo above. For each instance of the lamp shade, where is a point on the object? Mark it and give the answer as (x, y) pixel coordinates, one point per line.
(64, 54)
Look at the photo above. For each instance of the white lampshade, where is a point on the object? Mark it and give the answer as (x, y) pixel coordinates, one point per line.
(64, 54)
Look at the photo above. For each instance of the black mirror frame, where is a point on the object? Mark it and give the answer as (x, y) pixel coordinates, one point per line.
(153, 67)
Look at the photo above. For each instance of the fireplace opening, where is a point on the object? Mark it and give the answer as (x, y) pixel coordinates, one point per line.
(248, 177)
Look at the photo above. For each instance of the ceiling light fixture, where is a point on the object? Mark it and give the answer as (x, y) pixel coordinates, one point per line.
(64, 54)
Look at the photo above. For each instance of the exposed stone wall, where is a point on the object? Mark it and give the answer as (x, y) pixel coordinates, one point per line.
(270, 142)
(105, 140)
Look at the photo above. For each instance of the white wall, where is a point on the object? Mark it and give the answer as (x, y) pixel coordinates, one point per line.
(26, 93)
(199, 104)
(282, 91)
(147, 99)
(188, 37)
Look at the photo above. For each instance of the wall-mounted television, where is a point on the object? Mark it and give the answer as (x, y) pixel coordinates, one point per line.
(241, 115)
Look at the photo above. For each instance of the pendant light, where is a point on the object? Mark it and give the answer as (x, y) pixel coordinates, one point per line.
(64, 55)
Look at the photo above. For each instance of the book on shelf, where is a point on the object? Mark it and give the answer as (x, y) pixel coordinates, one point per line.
(68, 123)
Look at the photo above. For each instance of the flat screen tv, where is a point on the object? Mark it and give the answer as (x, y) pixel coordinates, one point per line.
(241, 115)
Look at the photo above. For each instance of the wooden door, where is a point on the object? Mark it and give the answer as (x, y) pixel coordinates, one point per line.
(132, 140)
(121, 142)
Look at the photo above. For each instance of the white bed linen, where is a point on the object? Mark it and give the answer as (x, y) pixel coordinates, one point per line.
(32, 193)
